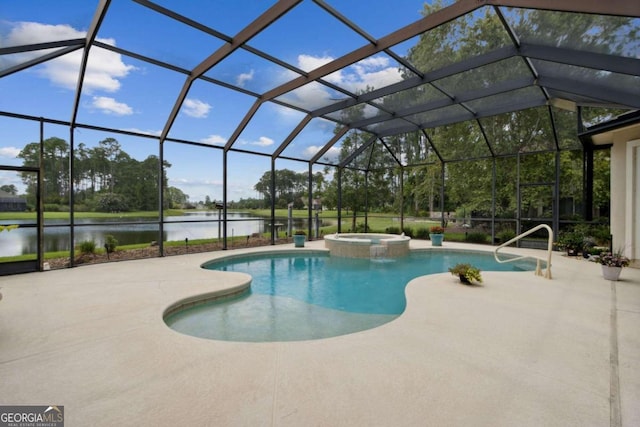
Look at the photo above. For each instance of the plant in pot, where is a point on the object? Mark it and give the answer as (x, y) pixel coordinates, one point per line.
(467, 273)
(571, 241)
(612, 264)
(299, 237)
(436, 234)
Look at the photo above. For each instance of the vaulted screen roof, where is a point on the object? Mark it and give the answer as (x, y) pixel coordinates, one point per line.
(390, 69)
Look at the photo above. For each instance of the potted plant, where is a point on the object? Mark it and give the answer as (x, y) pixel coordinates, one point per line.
(571, 241)
(467, 273)
(436, 234)
(299, 237)
(612, 264)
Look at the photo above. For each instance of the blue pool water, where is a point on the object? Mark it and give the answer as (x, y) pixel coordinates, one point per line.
(298, 296)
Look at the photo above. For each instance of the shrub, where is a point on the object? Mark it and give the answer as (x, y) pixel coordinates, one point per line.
(476, 237)
(54, 207)
(597, 250)
(111, 202)
(505, 235)
(87, 247)
(362, 228)
(422, 233)
(392, 230)
(408, 232)
(601, 234)
(572, 241)
(110, 243)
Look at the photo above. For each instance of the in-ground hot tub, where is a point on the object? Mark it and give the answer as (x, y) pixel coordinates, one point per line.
(367, 245)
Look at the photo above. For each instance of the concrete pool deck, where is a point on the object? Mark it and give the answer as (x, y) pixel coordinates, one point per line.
(517, 351)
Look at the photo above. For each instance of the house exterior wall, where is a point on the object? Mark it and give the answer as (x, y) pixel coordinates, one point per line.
(632, 216)
(625, 192)
(12, 205)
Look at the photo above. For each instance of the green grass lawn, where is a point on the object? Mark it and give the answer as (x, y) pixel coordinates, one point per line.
(377, 222)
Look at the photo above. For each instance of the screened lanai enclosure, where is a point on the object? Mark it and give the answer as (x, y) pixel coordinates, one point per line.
(169, 120)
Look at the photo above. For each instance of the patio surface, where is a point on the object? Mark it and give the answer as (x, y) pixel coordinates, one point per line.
(517, 351)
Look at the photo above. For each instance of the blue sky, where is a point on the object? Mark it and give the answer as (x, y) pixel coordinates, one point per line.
(124, 93)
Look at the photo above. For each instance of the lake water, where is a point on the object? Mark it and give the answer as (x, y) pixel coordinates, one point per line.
(191, 226)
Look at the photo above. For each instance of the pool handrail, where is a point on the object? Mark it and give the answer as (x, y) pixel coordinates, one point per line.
(547, 274)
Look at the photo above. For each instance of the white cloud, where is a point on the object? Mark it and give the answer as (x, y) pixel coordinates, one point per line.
(214, 140)
(177, 182)
(311, 96)
(376, 72)
(309, 62)
(377, 79)
(145, 132)
(374, 62)
(244, 77)
(332, 153)
(263, 141)
(9, 152)
(111, 106)
(369, 111)
(104, 68)
(196, 108)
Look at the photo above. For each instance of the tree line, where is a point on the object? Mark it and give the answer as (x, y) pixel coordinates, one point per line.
(105, 178)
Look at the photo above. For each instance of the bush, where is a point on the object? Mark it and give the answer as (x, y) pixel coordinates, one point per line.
(408, 232)
(392, 230)
(601, 234)
(422, 233)
(88, 247)
(112, 202)
(572, 241)
(362, 228)
(54, 207)
(476, 237)
(110, 243)
(505, 235)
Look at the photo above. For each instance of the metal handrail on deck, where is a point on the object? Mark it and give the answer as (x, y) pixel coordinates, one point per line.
(547, 273)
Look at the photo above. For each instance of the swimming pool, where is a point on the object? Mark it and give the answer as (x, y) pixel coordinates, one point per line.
(311, 295)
